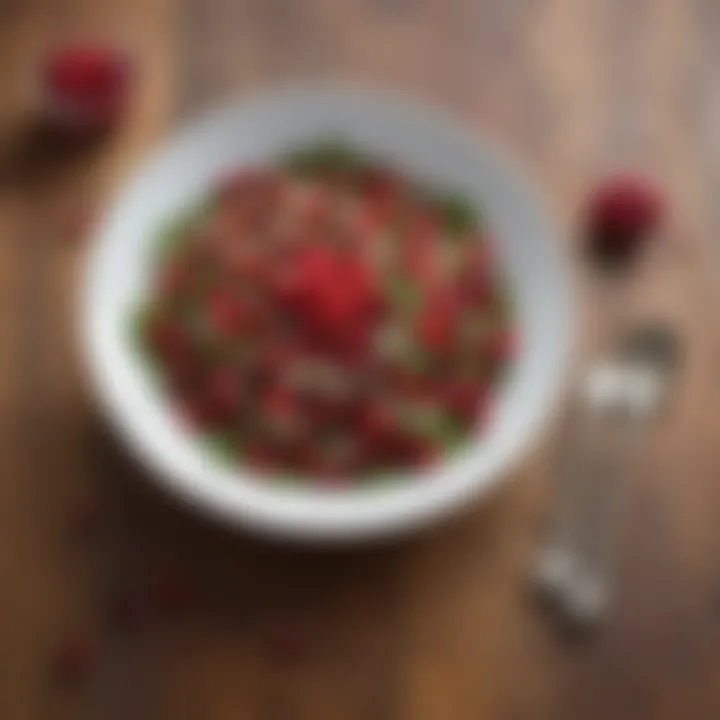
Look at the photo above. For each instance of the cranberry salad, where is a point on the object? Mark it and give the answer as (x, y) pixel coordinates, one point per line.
(328, 319)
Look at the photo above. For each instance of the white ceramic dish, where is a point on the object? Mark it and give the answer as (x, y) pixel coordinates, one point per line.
(429, 146)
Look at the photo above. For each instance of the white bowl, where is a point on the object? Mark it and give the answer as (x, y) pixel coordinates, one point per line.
(429, 146)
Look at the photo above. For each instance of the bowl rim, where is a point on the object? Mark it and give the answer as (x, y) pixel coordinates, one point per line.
(298, 519)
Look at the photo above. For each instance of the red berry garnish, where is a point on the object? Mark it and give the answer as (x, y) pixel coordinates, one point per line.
(465, 399)
(76, 657)
(435, 324)
(377, 423)
(278, 403)
(167, 339)
(475, 263)
(85, 86)
(226, 314)
(244, 262)
(621, 215)
(224, 392)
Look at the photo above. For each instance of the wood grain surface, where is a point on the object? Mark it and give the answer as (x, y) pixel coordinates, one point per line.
(436, 627)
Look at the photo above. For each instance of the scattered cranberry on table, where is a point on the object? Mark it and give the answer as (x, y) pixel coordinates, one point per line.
(85, 88)
(172, 595)
(77, 657)
(622, 214)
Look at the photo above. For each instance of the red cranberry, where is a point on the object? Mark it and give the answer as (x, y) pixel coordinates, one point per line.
(172, 595)
(167, 339)
(85, 86)
(77, 657)
(465, 399)
(377, 422)
(224, 392)
(224, 313)
(621, 215)
(435, 324)
(474, 283)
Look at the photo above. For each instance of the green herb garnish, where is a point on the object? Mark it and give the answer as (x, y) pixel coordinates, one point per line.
(175, 233)
(458, 215)
(223, 445)
(332, 155)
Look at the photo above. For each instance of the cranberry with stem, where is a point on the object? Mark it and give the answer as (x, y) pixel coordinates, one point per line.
(622, 214)
(85, 87)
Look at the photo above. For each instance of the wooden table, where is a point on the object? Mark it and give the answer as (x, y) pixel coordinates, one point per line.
(437, 627)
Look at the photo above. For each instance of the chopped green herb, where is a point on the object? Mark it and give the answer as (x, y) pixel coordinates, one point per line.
(404, 295)
(426, 420)
(140, 317)
(452, 433)
(328, 156)
(503, 301)
(223, 445)
(458, 216)
(174, 234)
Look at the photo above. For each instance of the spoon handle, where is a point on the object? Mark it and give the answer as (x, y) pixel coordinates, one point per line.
(554, 568)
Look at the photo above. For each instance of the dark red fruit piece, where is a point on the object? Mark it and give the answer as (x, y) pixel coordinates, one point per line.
(380, 184)
(278, 403)
(244, 262)
(409, 383)
(86, 86)
(473, 279)
(435, 324)
(225, 313)
(167, 339)
(203, 412)
(258, 456)
(433, 330)
(621, 215)
(223, 392)
(377, 424)
(465, 399)
(369, 219)
(76, 657)
(418, 453)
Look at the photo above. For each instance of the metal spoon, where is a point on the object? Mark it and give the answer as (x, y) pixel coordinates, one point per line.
(619, 398)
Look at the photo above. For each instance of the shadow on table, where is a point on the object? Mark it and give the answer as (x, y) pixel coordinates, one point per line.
(232, 577)
(36, 153)
(238, 580)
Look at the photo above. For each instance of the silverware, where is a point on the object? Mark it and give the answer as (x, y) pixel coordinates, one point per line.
(609, 427)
